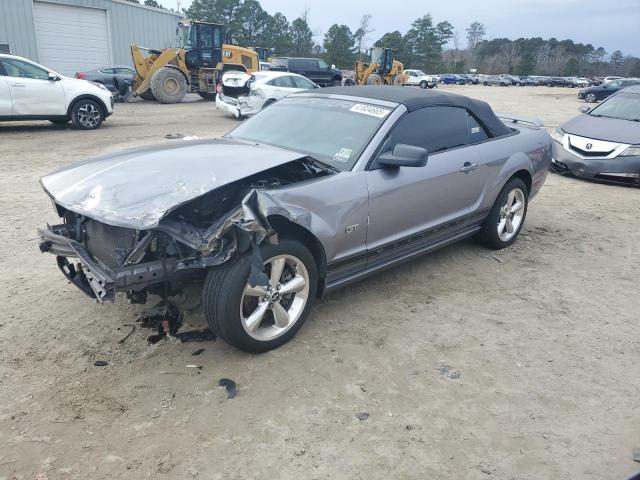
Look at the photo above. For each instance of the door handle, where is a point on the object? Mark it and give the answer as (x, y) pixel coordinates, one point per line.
(468, 167)
(17, 84)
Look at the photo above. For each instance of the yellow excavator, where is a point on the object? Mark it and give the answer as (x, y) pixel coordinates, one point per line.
(382, 70)
(167, 75)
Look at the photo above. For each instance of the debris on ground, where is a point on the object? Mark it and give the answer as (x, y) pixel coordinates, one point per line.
(485, 468)
(100, 363)
(204, 335)
(197, 352)
(230, 386)
(163, 317)
(362, 416)
(199, 367)
(133, 329)
(446, 371)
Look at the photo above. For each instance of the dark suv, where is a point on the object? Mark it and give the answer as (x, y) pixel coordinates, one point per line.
(315, 69)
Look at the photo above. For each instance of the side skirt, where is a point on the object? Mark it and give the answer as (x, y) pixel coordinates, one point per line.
(343, 281)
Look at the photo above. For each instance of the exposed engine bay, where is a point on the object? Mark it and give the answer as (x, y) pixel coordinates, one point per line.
(201, 233)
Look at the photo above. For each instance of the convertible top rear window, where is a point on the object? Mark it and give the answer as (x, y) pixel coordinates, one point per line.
(333, 131)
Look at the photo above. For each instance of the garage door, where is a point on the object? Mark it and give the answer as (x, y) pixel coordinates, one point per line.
(71, 39)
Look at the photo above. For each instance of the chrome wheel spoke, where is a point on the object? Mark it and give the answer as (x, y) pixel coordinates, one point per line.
(257, 291)
(516, 207)
(280, 315)
(277, 266)
(510, 199)
(256, 317)
(501, 225)
(296, 284)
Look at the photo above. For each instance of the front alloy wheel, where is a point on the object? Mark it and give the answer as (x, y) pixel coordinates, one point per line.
(267, 312)
(257, 318)
(86, 115)
(590, 97)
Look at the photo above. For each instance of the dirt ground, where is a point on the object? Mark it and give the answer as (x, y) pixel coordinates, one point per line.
(472, 364)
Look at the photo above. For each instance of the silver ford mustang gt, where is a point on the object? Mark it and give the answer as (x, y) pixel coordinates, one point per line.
(320, 189)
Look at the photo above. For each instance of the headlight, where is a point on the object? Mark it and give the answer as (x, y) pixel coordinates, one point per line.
(631, 152)
(557, 136)
(99, 85)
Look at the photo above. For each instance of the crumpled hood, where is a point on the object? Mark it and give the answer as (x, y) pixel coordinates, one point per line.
(600, 128)
(136, 188)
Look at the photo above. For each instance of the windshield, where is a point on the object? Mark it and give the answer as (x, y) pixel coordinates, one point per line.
(187, 36)
(421, 73)
(330, 130)
(625, 106)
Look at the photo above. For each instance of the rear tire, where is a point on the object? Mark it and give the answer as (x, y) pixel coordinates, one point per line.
(168, 85)
(86, 115)
(505, 213)
(210, 96)
(229, 304)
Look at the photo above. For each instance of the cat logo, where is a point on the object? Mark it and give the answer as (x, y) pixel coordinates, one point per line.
(227, 53)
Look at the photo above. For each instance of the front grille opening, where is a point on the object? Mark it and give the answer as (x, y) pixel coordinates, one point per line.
(589, 153)
(108, 244)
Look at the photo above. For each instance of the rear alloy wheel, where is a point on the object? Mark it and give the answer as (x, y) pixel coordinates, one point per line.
(590, 97)
(86, 115)
(504, 222)
(424, 84)
(168, 85)
(259, 318)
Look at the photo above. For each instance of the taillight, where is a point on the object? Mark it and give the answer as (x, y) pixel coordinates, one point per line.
(80, 75)
(219, 88)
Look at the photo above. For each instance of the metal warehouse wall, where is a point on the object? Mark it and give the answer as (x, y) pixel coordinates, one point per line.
(16, 27)
(128, 23)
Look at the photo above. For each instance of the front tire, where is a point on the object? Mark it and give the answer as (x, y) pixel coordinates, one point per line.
(86, 115)
(506, 218)
(424, 84)
(168, 85)
(591, 97)
(258, 319)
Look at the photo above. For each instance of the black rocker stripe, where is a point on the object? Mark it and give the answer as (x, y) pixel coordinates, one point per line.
(416, 237)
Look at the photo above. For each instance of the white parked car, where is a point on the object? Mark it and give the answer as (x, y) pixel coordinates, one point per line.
(29, 91)
(242, 94)
(419, 78)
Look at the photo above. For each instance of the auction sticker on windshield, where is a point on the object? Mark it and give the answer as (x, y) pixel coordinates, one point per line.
(371, 110)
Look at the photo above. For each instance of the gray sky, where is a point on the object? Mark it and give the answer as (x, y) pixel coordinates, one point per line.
(612, 24)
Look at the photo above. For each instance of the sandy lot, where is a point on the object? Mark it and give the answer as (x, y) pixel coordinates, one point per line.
(518, 364)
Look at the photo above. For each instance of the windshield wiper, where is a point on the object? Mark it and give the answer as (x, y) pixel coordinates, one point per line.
(322, 165)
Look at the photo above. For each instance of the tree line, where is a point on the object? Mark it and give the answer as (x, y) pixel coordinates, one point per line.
(434, 47)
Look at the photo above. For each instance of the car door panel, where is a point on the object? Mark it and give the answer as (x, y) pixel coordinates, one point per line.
(5, 98)
(32, 91)
(429, 203)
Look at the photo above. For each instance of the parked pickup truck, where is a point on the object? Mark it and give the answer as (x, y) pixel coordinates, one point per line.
(275, 214)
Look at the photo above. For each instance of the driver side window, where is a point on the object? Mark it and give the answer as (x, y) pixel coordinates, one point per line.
(18, 68)
(436, 129)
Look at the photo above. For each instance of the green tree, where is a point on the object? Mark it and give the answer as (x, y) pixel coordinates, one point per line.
(396, 42)
(361, 33)
(301, 37)
(475, 34)
(277, 34)
(224, 12)
(251, 20)
(617, 59)
(424, 43)
(152, 3)
(339, 46)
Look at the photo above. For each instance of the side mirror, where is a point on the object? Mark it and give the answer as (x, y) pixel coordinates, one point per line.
(251, 83)
(333, 66)
(584, 109)
(315, 85)
(403, 156)
(53, 77)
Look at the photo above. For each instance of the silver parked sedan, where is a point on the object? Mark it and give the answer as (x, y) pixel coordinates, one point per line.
(320, 189)
(604, 143)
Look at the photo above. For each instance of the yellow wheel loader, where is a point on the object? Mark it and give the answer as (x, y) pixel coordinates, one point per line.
(196, 66)
(382, 70)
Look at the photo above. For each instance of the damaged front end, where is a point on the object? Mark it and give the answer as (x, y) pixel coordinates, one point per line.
(102, 259)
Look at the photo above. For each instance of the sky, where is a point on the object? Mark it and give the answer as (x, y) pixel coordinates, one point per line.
(612, 24)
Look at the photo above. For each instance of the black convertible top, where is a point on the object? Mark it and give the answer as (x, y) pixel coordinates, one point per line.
(414, 98)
